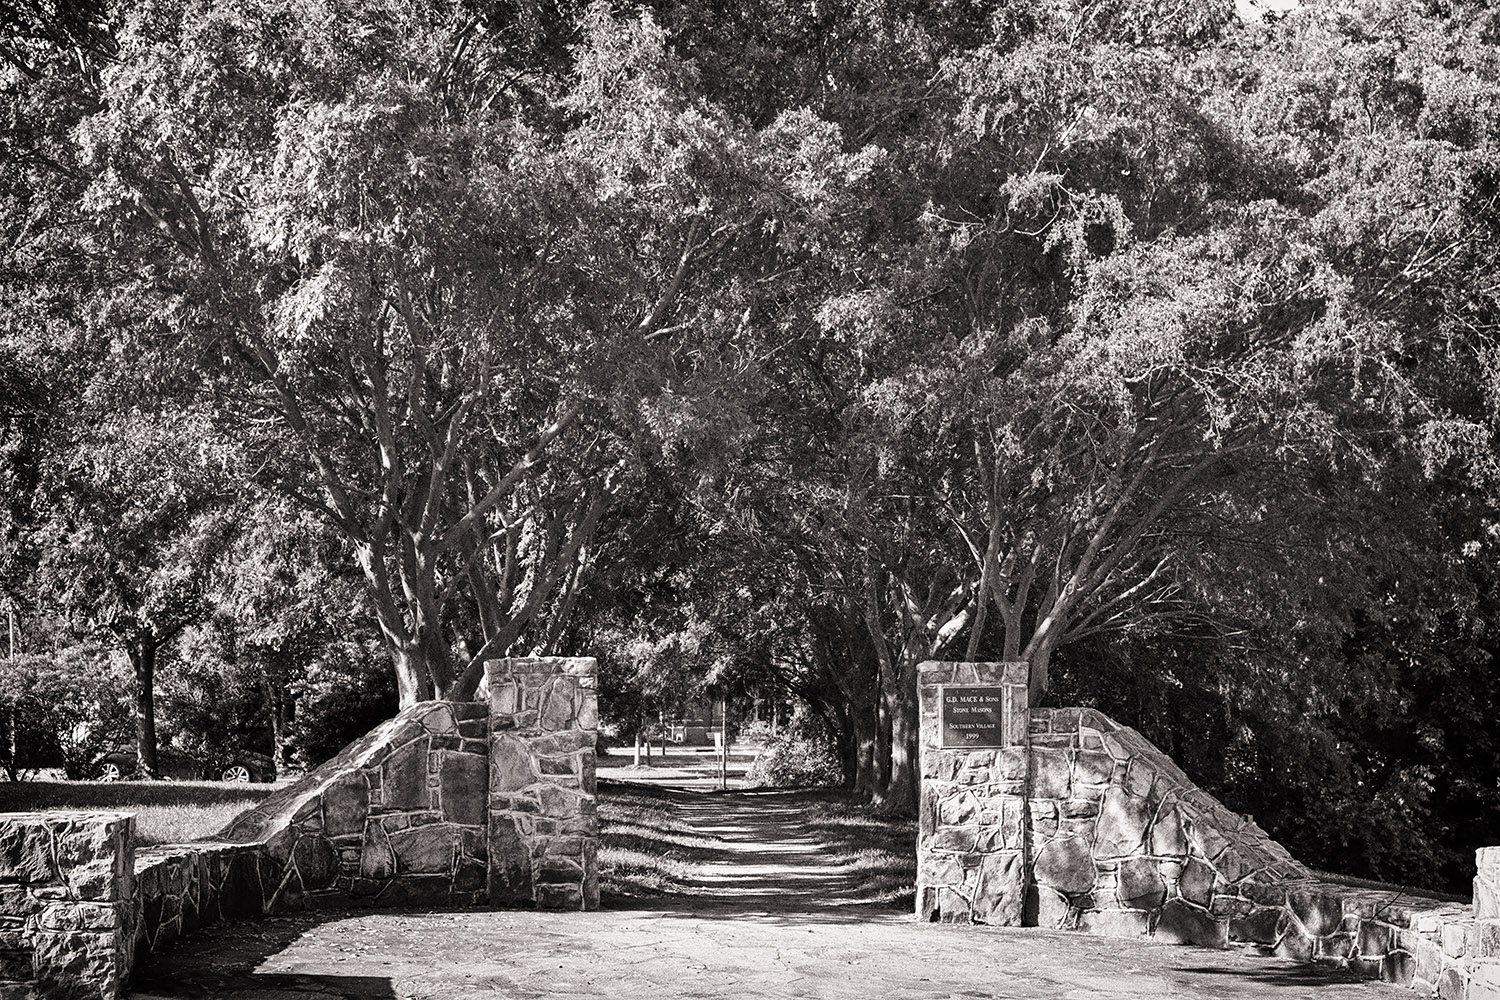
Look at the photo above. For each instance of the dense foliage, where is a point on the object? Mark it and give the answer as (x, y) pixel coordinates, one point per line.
(767, 350)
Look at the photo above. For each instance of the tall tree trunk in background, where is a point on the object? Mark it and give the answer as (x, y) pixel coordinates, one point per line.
(413, 682)
(866, 727)
(898, 692)
(143, 660)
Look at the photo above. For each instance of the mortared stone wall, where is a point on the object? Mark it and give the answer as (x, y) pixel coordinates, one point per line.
(449, 803)
(1075, 822)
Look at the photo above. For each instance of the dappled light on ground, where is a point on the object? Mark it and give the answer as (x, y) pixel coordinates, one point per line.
(775, 895)
(783, 850)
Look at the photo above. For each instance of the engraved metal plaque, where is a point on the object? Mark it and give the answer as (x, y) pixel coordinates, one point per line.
(972, 716)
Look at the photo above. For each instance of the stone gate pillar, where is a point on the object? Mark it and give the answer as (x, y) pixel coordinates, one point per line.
(543, 815)
(971, 838)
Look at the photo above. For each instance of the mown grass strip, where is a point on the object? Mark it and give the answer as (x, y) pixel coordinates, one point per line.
(166, 812)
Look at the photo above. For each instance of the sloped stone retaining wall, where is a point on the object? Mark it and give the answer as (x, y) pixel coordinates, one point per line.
(1099, 831)
(1125, 843)
(397, 817)
(402, 816)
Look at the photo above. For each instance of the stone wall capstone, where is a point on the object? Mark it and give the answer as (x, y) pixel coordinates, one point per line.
(543, 814)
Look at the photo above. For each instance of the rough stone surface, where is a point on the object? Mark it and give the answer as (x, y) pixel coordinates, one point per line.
(402, 804)
(543, 831)
(971, 864)
(1154, 848)
(1112, 838)
(413, 813)
(67, 905)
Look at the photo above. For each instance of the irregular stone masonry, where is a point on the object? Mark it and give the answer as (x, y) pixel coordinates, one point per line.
(398, 817)
(1125, 842)
(971, 844)
(1099, 831)
(401, 816)
(1171, 862)
(67, 905)
(543, 814)
(184, 887)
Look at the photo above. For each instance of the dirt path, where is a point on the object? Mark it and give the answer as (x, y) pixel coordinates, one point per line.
(772, 920)
(765, 861)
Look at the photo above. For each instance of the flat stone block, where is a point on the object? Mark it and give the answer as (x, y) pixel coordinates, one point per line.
(1374, 938)
(316, 861)
(1487, 897)
(1052, 777)
(425, 850)
(1049, 909)
(1181, 922)
(1123, 820)
(1453, 985)
(1066, 865)
(26, 850)
(1197, 882)
(1321, 913)
(346, 804)
(464, 781)
(1115, 923)
(1141, 886)
(1093, 768)
(403, 777)
(1484, 980)
(1260, 926)
(511, 765)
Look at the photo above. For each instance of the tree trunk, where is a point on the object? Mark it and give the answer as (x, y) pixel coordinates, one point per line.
(899, 796)
(898, 696)
(143, 659)
(1040, 659)
(413, 682)
(866, 726)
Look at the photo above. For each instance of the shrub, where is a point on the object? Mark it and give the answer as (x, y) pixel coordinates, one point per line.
(755, 733)
(348, 691)
(66, 708)
(802, 756)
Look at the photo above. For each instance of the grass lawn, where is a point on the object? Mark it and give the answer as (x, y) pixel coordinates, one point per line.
(166, 812)
(645, 849)
(881, 850)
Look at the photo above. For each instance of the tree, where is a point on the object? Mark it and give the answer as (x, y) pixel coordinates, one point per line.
(446, 297)
(140, 514)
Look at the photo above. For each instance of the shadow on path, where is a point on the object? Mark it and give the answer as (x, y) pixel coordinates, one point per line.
(773, 902)
(225, 962)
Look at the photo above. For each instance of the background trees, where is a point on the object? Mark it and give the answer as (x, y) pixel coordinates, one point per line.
(784, 347)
